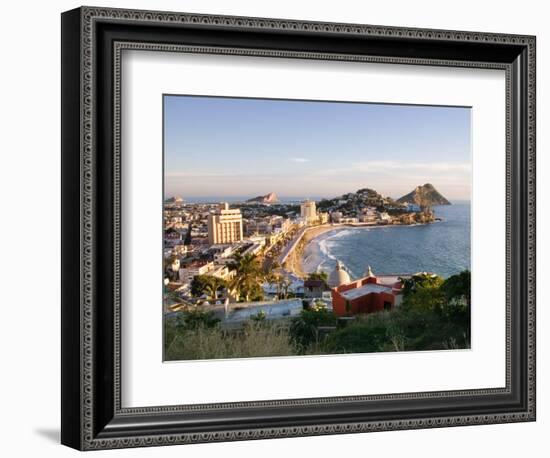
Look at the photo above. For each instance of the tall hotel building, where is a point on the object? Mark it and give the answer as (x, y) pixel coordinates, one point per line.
(225, 226)
(308, 211)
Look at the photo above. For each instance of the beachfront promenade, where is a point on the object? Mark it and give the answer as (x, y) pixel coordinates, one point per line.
(291, 246)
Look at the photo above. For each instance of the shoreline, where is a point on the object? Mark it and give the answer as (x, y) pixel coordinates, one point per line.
(295, 261)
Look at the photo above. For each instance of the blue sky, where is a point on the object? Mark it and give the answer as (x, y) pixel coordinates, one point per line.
(218, 146)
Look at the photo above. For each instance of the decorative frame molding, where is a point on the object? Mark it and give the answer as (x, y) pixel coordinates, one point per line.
(92, 414)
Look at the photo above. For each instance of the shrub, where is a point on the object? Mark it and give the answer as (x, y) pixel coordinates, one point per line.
(367, 334)
(403, 329)
(254, 340)
(194, 318)
(458, 286)
(304, 329)
(258, 317)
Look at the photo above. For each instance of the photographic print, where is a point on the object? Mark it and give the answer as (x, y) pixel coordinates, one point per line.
(304, 227)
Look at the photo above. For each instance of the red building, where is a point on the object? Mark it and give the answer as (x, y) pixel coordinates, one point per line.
(366, 295)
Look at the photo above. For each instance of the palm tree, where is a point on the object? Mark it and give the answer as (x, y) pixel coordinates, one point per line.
(321, 275)
(248, 275)
(273, 278)
(284, 286)
(212, 286)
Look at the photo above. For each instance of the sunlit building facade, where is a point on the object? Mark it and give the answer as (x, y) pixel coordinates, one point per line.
(225, 226)
(308, 211)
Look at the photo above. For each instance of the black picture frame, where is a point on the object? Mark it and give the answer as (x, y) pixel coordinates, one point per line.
(92, 416)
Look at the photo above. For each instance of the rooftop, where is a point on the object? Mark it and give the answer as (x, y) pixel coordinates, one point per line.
(390, 279)
(314, 283)
(242, 311)
(364, 290)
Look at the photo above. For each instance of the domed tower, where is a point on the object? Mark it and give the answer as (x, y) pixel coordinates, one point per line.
(338, 276)
(369, 276)
(369, 272)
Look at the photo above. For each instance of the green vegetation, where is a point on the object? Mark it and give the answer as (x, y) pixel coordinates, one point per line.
(197, 318)
(400, 330)
(248, 277)
(323, 276)
(186, 322)
(281, 282)
(423, 292)
(458, 287)
(257, 338)
(306, 331)
(207, 284)
(256, 210)
(258, 317)
(434, 315)
(350, 202)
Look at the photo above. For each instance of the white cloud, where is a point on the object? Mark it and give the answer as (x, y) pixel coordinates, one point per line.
(429, 167)
(299, 159)
(399, 168)
(393, 178)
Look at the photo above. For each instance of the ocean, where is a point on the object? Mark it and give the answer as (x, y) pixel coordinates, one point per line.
(442, 247)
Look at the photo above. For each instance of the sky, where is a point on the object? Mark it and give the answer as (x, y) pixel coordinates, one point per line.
(239, 147)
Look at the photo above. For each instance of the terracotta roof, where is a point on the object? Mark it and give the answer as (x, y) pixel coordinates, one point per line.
(172, 286)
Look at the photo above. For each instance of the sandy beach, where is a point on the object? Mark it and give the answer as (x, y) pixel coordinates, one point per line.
(294, 263)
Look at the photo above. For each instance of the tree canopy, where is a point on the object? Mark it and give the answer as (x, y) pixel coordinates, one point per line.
(322, 276)
(208, 285)
(458, 286)
(248, 277)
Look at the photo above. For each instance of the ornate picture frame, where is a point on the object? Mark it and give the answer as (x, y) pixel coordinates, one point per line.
(93, 416)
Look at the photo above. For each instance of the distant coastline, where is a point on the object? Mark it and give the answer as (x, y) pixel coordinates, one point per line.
(244, 198)
(443, 248)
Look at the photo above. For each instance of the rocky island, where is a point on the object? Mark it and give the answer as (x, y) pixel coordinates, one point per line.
(424, 196)
(270, 198)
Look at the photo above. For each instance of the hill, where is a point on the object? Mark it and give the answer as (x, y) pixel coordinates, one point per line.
(424, 196)
(174, 200)
(353, 201)
(270, 198)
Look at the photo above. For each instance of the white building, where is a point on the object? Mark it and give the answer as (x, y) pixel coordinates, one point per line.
(384, 216)
(336, 217)
(223, 255)
(308, 211)
(179, 250)
(222, 272)
(186, 274)
(225, 226)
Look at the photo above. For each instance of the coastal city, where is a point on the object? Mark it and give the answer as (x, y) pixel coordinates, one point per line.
(305, 227)
(205, 239)
(241, 263)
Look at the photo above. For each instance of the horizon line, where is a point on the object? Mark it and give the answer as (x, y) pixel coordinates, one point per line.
(303, 196)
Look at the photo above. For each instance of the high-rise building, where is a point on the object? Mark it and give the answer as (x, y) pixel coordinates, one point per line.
(225, 226)
(308, 211)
